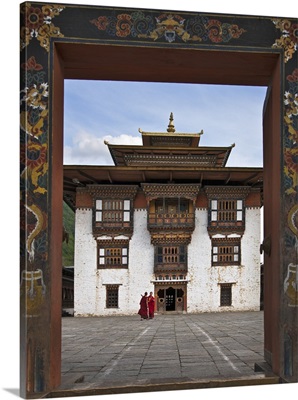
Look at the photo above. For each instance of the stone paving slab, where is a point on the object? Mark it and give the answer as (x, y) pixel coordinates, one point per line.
(108, 351)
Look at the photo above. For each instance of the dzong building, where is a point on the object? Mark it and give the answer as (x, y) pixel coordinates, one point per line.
(168, 217)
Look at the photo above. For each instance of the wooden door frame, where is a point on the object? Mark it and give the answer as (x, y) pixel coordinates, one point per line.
(81, 42)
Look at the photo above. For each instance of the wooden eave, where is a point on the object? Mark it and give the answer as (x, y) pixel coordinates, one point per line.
(80, 176)
(118, 152)
(148, 136)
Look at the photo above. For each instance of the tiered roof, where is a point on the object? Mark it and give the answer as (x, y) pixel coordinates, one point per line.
(164, 157)
(170, 149)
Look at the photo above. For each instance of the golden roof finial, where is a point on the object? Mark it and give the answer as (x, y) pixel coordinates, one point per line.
(171, 127)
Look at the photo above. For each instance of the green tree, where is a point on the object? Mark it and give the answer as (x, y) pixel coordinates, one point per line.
(68, 245)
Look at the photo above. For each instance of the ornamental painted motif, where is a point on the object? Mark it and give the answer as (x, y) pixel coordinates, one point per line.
(38, 24)
(291, 138)
(289, 38)
(171, 27)
(34, 153)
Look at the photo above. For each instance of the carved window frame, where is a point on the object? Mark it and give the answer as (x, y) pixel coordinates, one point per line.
(223, 250)
(110, 251)
(226, 295)
(112, 295)
(175, 252)
(112, 211)
(226, 212)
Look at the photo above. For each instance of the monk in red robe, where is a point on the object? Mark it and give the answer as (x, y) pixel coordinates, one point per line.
(151, 303)
(143, 311)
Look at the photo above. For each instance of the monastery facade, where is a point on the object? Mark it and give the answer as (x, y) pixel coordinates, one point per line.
(168, 217)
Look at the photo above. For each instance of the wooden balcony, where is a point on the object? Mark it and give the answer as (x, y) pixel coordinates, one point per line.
(173, 221)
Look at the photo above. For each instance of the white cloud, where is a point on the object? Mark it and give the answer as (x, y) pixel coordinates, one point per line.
(88, 149)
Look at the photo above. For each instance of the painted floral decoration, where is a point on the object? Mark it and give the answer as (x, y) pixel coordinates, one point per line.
(291, 123)
(289, 38)
(38, 24)
(34, 123)
(170, 27)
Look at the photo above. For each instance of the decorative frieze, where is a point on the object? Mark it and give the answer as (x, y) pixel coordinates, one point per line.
(166, 141)
(170, 159)
(113, 242)
(170, 238)
(170, 282)
(113, 191)
(227, 192)
(154, 191)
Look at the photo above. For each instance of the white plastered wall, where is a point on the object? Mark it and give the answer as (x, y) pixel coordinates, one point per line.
(84, 264)
(90, 282)
(203, 290)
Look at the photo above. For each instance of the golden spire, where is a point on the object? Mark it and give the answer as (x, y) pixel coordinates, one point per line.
(171, 127)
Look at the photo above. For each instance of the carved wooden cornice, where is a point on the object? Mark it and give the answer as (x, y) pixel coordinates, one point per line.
(113, 191)
(194, 160)
(213, 230)
(169, 283)
(170, 238)
(170, 270)
(226, 240)
(224, 192)
(153, 191)
(112, 242)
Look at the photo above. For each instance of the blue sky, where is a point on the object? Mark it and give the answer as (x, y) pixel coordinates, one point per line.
(100, 110)
(105, 110)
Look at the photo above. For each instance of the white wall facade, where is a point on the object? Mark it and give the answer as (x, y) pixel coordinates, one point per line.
(203, 287)
(90, 282)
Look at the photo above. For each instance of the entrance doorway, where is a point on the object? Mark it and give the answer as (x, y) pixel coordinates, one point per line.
(171, 298)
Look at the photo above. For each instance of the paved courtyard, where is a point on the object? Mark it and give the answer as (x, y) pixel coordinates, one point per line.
(115, 351)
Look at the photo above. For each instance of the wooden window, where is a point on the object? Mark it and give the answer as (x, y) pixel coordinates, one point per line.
(112, 211)
(225, 294)
(112, 257)
(112, 296)
(226, 253)
(226, 212)
(170, 254)
(171, 206)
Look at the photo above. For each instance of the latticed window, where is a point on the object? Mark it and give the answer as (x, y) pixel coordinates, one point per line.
(224, 253)
(170, 254)
(112, 297)
(112, 210)
(112, 257)
(226, 294)
(226, 211)
(171, 206)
